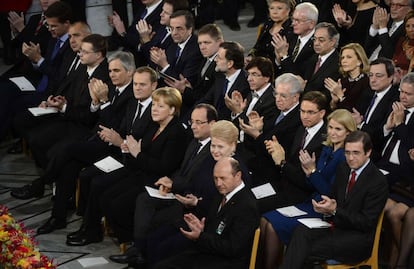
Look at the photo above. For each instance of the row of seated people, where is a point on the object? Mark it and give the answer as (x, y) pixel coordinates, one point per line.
(254, 72)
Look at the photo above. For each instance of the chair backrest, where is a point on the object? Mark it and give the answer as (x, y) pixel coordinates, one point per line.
(372, 261)
(254, 249)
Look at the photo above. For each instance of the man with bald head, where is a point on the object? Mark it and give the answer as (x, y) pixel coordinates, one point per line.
(223, 239)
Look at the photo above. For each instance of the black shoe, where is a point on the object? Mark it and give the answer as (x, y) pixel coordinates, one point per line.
(16, 148)
(77, 234)
(131, 256)
(51, 225)
(254, 23)
(233, 26)
(84, 239)
(28, 192)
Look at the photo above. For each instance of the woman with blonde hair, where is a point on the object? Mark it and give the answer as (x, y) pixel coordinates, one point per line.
(276, 229)
(353, 89)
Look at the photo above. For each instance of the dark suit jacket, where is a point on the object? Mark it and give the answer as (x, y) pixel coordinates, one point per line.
(351, 237)
(262, 164)
(387, 42)
(162, 155)
(240, 218)
(189, 62)
(299, 66)
(376, 122)
(357, 213)
(214, 95)
(330, 68)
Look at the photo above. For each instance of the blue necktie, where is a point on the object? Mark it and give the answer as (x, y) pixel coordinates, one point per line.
(370, 107)
(41, 87)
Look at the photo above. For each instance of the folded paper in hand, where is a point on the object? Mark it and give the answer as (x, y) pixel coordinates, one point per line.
(39, 111)
(156, 194)
(108, 164)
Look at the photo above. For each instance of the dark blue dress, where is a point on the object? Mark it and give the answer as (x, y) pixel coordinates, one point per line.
(321, 180)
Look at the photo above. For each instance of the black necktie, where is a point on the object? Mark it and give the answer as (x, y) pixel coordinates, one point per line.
(190, 160)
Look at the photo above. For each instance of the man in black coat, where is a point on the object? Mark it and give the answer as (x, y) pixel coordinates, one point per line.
(224, 238)
(357, 198)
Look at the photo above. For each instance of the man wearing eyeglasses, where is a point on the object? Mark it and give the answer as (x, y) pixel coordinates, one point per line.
(380, 75)
(357, 198)
(292, 58)
(386, 29)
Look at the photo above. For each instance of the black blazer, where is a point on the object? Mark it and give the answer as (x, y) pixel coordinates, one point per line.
(330, 68)
(262, 164)
(189, 62)
(378, 118)
(214, 95)
(299, 66)
(240, 219)
(387, 42)
(358, 211)
(161, 155)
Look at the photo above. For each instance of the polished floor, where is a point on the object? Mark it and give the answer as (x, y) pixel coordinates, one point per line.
(17, 170)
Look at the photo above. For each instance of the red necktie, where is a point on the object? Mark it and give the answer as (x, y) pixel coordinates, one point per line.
(351, 182)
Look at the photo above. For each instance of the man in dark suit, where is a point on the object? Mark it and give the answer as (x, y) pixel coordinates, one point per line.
(290, 183)
(151, 212)
(162, 37)
(129, 38)
(230, 62)
(94, 182)
(398, 131)
(293, 57)
(386, 29)
(182, 59)
(45, 73)
(358, 196)
(25, 121)
(223, 239)
(326, 61)
(381, 75)
(210, 37)
(288, 89)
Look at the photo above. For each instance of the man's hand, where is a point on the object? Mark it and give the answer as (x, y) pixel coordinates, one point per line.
(32, 51)
(326, 206)
(307, 161)
(179, 84)
(276, 150)
(117, 23)
(188, 201)
(16, 21)
(196, 226)
(145, 31)
(281, 46)
(158, 57)
(109, 135)
(164, 185)
(235, 103)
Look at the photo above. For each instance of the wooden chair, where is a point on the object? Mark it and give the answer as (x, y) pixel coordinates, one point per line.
(254, 249)
(371, 261)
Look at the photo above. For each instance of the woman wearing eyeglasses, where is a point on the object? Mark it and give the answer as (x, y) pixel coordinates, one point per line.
(276, 229)
(352, 91)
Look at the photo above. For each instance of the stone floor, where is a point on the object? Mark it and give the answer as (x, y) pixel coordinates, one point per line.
(17, 170)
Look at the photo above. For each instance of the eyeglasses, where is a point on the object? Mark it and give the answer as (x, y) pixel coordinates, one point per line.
(299, 21)
(254, 74)
(398, 6)
(196, 122)
(85, 52)
(377, 75)
(308, 112)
